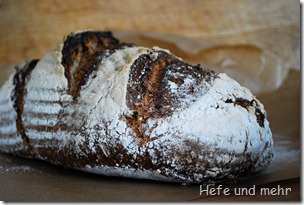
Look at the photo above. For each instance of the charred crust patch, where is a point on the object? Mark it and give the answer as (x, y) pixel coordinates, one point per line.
(82, 53)
(245, 104)
(17, 96)
(149, 94)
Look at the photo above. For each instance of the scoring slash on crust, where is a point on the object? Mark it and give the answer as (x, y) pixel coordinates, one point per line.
(82, 53)
(118, 109)
(149, 88)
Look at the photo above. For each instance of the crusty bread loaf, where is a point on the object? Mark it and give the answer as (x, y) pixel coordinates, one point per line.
(118, 109)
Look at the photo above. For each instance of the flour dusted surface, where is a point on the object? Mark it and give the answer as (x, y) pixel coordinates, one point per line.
(215, 124)
(211, 123)
(117, 109)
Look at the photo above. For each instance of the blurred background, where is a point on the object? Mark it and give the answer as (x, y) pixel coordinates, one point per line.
(28, 29)
(257, 42)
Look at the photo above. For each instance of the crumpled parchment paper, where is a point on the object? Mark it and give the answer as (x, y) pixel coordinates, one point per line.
(276, 83)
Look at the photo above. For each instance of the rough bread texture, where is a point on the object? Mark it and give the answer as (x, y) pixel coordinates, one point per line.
(117, 109)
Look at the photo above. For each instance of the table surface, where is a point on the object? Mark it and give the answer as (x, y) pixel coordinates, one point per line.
(35, 180)
(31, 28)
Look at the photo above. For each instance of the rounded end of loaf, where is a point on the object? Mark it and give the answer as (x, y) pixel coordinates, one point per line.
(117, 109)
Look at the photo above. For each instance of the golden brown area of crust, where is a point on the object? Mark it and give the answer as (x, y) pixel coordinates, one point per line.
(82, 53)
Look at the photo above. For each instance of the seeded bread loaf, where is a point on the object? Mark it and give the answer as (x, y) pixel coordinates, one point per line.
(118, 109)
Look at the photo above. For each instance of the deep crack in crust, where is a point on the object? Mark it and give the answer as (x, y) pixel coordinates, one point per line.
(149, 95)
(21, 77)
(82, 53)
(159, 85)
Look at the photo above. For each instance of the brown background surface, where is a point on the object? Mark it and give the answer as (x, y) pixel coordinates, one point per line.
(245, 31)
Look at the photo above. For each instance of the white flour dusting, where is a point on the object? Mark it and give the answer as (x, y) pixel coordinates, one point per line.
(209, 122)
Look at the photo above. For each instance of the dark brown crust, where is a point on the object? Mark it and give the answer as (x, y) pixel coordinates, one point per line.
(148, 93)
(18, 94)
(145, 82)
(245, 104)
(82, 53)
(148, 96)
(117, 154)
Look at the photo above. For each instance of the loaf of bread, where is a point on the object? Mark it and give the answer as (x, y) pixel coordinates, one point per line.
(117, 109)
